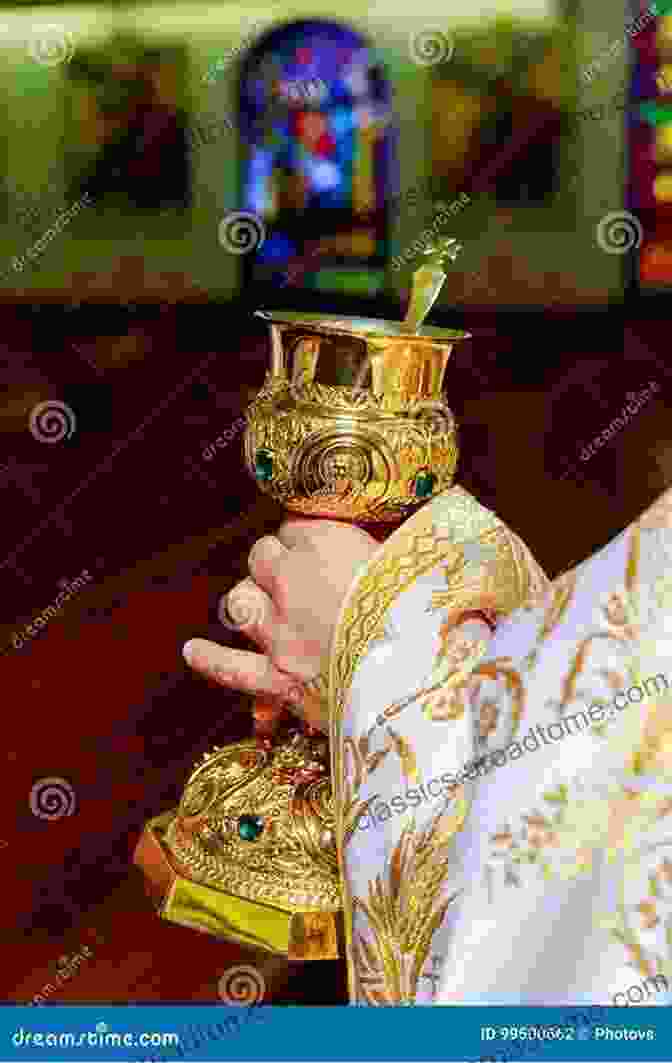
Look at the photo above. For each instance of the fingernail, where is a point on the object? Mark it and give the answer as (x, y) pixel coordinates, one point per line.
(188, 651)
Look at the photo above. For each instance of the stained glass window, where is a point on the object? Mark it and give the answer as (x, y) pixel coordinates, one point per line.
(650, 141)
(320, 158)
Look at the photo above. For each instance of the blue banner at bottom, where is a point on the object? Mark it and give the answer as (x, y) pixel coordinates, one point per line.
(161, 1034)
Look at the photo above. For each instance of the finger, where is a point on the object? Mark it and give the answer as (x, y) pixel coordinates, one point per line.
(240, 670)
(302, 533)
(264, 561)
(314, 533)
(247, 608)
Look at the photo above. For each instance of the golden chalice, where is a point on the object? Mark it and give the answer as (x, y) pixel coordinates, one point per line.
(349, 425)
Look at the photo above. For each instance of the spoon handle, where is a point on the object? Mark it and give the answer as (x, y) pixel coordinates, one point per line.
(428, 281)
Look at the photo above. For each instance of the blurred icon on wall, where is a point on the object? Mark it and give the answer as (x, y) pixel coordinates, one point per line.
(128, 142)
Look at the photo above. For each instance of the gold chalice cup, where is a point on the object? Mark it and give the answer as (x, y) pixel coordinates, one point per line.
(351, 423)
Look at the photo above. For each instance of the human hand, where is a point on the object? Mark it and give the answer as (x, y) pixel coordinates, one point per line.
(288, 606)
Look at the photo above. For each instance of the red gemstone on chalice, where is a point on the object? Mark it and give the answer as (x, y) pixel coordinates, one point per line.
(266, 712)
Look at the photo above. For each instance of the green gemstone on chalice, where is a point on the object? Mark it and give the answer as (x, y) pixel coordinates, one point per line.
(263, 465)
(249, 828)
(424, 484)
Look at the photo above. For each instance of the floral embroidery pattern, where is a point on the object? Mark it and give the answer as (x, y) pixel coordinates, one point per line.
(404, 907)
(645, 928)
(363, 761)
(611, 817)
(647, 910)
(496, 695)
(445, 704)
(616, 621)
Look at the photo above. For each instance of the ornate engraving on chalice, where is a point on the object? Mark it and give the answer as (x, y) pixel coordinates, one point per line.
(260, 825)
(349, 453)
(376, 440)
